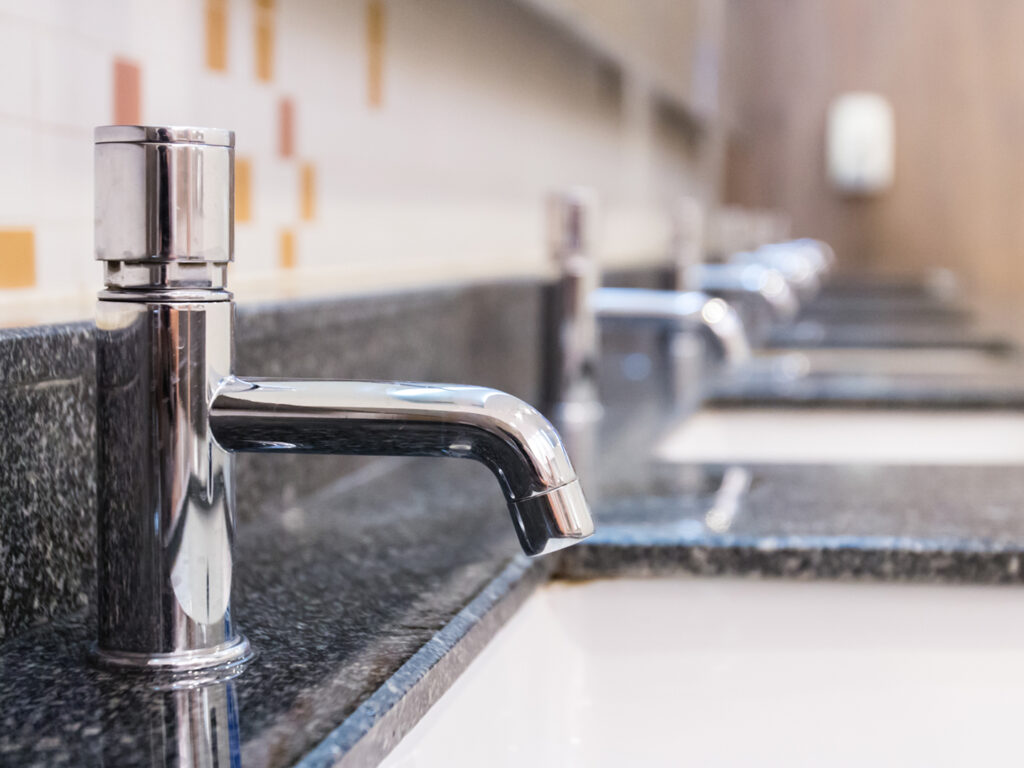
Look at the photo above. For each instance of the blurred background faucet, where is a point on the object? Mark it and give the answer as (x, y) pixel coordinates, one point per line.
(578, 301)
(760, 294)
(171, 413)
(685, 310)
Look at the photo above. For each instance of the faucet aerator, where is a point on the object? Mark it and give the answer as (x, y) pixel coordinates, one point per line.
(551, 521)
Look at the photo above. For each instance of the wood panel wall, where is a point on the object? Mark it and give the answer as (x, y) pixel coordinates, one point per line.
(954, 71)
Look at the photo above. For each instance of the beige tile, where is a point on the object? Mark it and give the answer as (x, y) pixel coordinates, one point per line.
(287, 255)
(217, 35)
(376, 20)
(243, 189)
(307, 189)
(264, 32)
(17, 258)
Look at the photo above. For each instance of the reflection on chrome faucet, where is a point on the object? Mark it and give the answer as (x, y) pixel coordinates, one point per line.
(728, 498)
(171, 414)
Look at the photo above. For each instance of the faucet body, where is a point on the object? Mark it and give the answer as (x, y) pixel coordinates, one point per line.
(171, 413)
(572, 339)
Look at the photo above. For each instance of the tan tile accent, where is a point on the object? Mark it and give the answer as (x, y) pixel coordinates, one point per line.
(286, 127)
(265, 28)
(17, 258)
(127, 92)
(308, 192)
(217, 35)
(286, 257)
(376, 21)
(243, 189)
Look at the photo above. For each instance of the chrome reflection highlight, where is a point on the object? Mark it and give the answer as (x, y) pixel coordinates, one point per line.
(728, 499)
(195, 727)
(170, 414)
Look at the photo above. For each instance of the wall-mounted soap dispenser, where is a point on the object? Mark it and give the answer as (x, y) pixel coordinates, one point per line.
(860, 143)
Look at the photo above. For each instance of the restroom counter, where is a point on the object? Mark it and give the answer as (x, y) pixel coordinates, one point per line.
(365, 601)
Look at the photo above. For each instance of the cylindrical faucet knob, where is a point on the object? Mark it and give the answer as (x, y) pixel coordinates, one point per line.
(164, 194)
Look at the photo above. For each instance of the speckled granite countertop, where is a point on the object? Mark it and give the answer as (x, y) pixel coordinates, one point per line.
(812, 521)
(365, 601)
(335, 595)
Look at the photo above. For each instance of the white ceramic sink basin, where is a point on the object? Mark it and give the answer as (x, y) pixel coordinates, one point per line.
(816, 436)
(738, 672)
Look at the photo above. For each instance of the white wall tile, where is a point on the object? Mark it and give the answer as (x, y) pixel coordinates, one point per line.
(485, 111)
(75, 83)
(17, 177)
(62, 169)
(17, 68)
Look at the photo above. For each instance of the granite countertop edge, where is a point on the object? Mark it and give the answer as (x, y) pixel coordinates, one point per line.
(366, 736)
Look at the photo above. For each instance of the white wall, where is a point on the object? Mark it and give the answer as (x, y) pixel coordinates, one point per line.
(486, 107)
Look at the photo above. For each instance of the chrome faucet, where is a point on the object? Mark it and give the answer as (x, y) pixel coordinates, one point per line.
(733, 282)
(171, 414)
(578, 302)
(804, 263)
(686, 310)
(584, 300)
(572, 347)
(741, 281)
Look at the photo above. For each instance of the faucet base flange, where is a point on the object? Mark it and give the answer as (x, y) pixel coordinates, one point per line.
(224, 660)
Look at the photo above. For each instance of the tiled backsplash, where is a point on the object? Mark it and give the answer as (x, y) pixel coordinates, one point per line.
(378, 142)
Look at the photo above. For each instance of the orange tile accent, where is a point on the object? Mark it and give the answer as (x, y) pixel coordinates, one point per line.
(286, 257)
(217, 35)
(243, 189)
(265, 24)
(308, 191)
(17, 258)
(127, 92)
(286, 128)
(376, 20)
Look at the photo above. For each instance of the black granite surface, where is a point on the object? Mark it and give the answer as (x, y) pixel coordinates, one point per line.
(47, 472)
(336, 595)
(951, 523)
(365, 601)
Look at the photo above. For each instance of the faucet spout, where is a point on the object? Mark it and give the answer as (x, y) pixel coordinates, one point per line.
(684, 308)
(504, 433)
